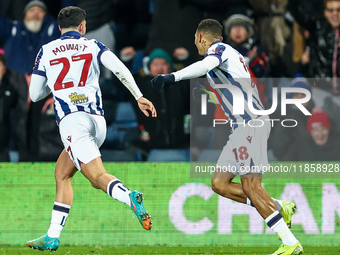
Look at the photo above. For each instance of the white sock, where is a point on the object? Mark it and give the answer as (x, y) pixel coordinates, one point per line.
(278, 203)
(59, 216)
(118, 191)
(279, 226)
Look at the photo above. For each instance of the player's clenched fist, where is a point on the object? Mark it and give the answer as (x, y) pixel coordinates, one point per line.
(145, 105)
(158, 81)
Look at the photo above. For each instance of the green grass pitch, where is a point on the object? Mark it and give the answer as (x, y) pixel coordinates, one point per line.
(97, 250)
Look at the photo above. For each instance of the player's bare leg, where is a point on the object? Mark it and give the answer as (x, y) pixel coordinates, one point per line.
(95, 172)
(265, 205)
(64, 172)
(252, 188)
(222, 184)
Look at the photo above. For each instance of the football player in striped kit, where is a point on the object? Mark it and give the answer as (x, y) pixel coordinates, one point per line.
(69, 69)
(246, 150)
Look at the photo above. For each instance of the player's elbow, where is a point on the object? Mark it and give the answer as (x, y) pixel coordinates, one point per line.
(34, 97)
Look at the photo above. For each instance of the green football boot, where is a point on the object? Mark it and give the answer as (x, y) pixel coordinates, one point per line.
(44, 243)
(137, 207)
(287, 211)
(289, 250)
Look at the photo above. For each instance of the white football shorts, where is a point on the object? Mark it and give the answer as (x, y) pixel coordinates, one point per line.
(246, 149)
(82, 134)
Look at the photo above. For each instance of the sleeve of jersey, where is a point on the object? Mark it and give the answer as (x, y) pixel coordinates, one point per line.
(197, 69)
(111, 62)
(38, 68)
(38, 88)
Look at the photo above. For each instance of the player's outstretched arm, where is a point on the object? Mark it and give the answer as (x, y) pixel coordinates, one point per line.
(145, 105)
(194, 70)
(111, 62)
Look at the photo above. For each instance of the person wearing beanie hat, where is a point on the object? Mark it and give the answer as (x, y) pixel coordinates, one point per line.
(300, 82)
(320, 142)
(167, 130)
(22, 40)
(159, 62)
(159, 53)
(240, 34)
(319, 126)
(39, 3)
(35, 12)
(244, 25)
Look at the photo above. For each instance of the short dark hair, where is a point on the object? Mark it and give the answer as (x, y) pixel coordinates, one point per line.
(211, 26)
(71, 16)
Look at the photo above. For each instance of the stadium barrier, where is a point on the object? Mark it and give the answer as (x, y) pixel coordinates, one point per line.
(185, 210)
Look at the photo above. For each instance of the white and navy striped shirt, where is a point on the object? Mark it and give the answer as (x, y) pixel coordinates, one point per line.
(222, 64)
(69, 68)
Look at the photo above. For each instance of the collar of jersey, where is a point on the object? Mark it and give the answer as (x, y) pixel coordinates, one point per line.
(215, 43)
(206, 53)
(70, 35)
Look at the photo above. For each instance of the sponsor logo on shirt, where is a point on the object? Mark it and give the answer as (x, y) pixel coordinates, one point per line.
(78, 99)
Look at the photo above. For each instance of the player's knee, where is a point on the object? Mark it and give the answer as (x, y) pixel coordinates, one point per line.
(218, 185)
(215, 185)
(62, 177)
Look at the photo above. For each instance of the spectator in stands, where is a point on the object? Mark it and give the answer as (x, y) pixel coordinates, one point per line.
(297, 51)
(172, 103)
(321, 143)
(169, 28)
(13, 9)
(8, 101)
(22, 40)
(273, 30)
(240, 34)
(323, 42)
(283, 138)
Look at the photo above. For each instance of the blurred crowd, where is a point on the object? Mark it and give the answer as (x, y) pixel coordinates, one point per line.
(286, 43)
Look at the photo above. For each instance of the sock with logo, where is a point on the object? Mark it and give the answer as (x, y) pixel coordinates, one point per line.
(59, 216)
(118, 191)
(278, 225)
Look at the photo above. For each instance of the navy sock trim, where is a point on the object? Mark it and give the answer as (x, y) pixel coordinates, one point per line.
(111, 187)
(61, 209)
(274, 220)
